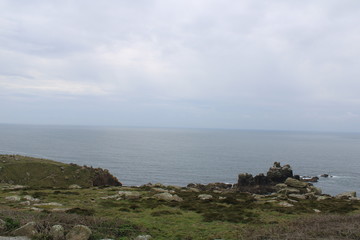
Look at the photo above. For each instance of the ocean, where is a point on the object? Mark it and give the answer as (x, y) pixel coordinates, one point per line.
(138, 156)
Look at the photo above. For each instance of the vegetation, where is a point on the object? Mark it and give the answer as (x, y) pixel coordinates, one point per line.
(126, 212)
(44, 173)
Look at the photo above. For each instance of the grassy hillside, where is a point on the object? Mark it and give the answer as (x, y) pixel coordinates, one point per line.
(43, 173)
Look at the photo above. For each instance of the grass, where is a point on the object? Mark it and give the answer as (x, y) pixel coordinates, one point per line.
(233, 216)
(228, 215)
(44, 173)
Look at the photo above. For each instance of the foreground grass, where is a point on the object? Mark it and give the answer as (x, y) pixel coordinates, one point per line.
(229, 215)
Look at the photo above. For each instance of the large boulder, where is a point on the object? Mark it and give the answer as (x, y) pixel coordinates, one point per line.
(291, 182)
(57, 232)
(278, 174)
(130, 194)
(205, 197)
(168, 197)
(79, 232)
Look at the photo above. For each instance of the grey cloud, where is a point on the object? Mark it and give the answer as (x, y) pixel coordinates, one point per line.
(231, 64)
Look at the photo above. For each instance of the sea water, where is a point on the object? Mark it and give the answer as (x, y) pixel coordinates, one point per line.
(180, 156)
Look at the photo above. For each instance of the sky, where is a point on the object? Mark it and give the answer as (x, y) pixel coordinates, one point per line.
(250, 64)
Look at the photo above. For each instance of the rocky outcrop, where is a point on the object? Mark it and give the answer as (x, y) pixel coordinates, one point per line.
(264, 184)
(278, 174)
(210, 186)
(102, 177)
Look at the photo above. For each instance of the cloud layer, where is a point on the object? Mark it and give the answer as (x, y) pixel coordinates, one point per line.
(223, 64)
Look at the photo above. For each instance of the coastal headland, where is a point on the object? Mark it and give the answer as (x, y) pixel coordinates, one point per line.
(44, 199)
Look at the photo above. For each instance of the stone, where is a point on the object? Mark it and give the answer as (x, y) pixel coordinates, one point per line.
(14, 238)
(309, 179)
(28, 230)
(279, 174)
(346, 195)
(317, 211)
(143, 237)
(288, 190)
(261, 179)
(245, 179)
(280, 186)
(322, 198)
(74, 186)
(168, 197)
(314, 190)
(194, 189)
(298, 196)
(14, 198)
(79, 232)
(205, 197)
(130, 194)
(291, 182)
(2, 225)
(285, 204)
(26, 203)
(30, 198)
(57, 232)
(48, 204)
(161, 190)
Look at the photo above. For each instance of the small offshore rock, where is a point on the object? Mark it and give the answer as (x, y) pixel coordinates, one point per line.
(324, 175)
(14, 198)
(168, 197)
(143, 237)
(309, 179)
(346, 195)
(205, 197)
(57, 232)
(79, 232)
(130, 194)
(27, 230)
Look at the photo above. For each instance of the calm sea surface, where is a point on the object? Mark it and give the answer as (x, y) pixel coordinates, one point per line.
(181, 156)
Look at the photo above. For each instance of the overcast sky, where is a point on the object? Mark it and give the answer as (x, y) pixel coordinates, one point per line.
(249, 64)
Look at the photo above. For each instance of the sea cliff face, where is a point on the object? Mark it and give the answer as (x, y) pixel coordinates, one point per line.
(44, 173)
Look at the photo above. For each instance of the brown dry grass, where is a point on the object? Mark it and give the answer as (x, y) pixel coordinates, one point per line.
(315, 227)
